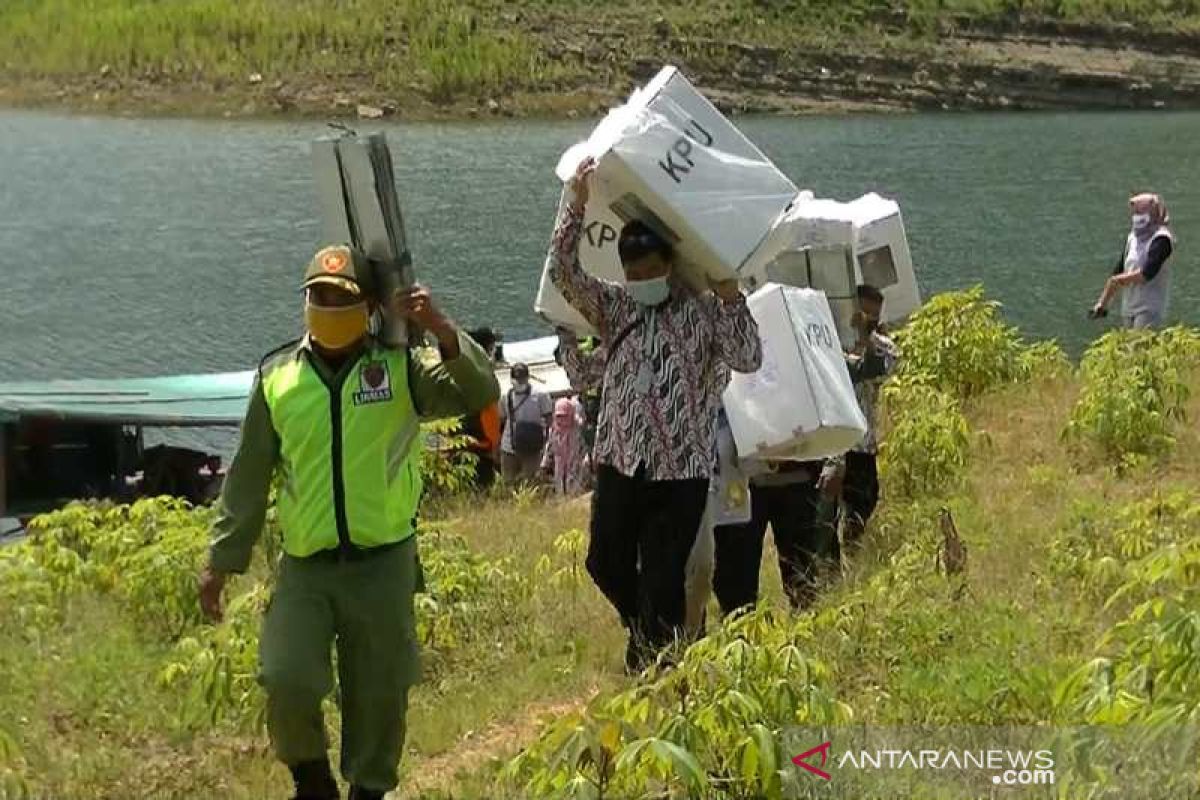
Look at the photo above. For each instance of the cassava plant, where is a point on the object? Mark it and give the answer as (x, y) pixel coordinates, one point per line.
(1147, 667)
(466, 595)
(147, 554)
(927, 445)
(1043, 361)
(216, 669)
(447, 466)
(711, 726)
(958, 343)
(1135, 387)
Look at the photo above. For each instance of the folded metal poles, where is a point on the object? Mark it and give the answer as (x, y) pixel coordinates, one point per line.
(356, 190)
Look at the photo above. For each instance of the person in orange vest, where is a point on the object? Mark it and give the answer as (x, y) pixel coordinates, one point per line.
(484, 428)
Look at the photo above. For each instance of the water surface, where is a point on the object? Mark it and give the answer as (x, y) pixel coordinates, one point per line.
(142, 247)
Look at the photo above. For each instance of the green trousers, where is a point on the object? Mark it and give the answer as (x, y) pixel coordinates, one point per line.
(365, 607)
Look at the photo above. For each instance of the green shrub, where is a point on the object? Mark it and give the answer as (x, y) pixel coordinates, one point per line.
(27, 594)
(1134, 392)
(954, 349)
(928, 443)
(1044, 361)
(467, 596)
(1098, 545)
(148, 554)
(957, 343)
(216, 669)
(717, 719)
(1148, 665)
(447, 466)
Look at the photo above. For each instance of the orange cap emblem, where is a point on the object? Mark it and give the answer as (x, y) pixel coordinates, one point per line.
(334, 261)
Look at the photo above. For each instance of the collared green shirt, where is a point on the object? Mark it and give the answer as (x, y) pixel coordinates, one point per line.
(449, 388)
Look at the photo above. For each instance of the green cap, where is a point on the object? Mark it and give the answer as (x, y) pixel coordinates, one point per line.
(342, 266)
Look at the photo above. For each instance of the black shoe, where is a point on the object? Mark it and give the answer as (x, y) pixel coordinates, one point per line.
(359, 793)
(314, 781)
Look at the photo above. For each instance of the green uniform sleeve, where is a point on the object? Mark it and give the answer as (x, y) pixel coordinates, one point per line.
(242, 508)
(455, 387)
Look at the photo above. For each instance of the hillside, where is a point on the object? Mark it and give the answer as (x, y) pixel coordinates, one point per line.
(1073, 489)
(420, 59)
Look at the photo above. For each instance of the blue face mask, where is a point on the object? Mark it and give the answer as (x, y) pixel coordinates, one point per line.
(649, 293)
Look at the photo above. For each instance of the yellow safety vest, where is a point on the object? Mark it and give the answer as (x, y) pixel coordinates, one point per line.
(350, 454)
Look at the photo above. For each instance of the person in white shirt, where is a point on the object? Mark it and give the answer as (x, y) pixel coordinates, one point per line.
(1141, 274)
(525, 413)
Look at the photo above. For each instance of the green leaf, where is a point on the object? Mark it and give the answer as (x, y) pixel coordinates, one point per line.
(764, 741)
(682, 763)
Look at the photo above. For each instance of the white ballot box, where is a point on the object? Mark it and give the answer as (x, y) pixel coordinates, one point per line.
(884, 259)
(800, 405)
(670, 159)
(597, 254)
(869, 229)
(812, 251)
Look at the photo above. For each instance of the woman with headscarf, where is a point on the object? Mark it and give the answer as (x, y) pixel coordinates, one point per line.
(1141, 273)
(564, 460)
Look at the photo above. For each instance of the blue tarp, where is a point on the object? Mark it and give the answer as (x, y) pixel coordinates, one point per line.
(179, 400)
(200, 400)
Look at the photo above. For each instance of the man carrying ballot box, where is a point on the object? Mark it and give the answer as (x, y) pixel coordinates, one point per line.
(786, 496)
(654, 441)
(854, 476)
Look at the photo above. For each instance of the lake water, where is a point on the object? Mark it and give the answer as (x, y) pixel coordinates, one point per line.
(140, 247)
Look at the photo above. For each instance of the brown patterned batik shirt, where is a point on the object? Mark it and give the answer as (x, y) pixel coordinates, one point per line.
(663, 382)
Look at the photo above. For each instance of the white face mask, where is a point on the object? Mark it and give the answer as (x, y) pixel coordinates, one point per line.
(1140, 221)
(649, 293)
(520, 385)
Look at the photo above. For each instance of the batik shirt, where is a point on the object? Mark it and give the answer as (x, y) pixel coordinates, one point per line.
(664, 380)
(585, 371)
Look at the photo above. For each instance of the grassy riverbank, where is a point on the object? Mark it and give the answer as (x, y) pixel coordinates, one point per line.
(93, 715)
(1074, 491)
(420, 58)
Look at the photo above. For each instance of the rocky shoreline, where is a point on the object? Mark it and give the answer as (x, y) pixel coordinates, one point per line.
(1042, 66)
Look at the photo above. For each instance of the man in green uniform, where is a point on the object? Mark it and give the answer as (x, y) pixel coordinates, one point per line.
(336, 414)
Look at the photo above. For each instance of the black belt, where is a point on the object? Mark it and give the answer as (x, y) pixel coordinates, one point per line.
(351, 552)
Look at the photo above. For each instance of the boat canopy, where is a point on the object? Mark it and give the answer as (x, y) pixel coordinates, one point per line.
(538, 355)
(213, 400)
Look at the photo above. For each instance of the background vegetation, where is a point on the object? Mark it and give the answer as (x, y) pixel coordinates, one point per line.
(487, 48)
(1074, 490)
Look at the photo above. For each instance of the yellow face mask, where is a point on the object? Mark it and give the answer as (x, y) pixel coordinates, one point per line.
(336, 327)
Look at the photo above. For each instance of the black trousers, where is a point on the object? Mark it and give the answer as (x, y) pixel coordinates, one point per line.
(485, 471)
(860, 494)
(802, 525)
(642, 534)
